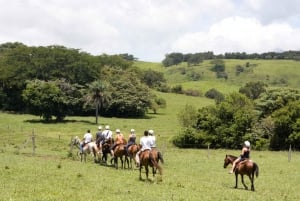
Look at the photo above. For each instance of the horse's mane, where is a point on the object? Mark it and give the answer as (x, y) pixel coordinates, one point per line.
(231, 156)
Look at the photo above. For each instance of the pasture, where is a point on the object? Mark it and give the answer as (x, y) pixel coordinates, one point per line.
(50, 173)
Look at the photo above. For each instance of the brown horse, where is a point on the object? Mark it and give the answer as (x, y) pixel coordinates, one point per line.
(246, 167)
(131, 152)
(147, 159)
(120, 152)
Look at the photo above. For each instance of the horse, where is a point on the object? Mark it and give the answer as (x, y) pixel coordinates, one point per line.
(246, 167)
(157, 157)
(131, 152)
(119, 152)
(87, 149)
(106, 150)
(147, 159)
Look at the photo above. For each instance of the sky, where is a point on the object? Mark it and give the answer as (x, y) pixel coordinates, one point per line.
(150, 29)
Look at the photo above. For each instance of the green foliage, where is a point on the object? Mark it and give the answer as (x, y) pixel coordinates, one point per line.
(129, 97)
(214, 94)
(172, 59)
(157, 103)
(153, 79)
(274, 99)
(253, 89)
(52, 98)
(227, 124)
(187, 116)
(286, 121)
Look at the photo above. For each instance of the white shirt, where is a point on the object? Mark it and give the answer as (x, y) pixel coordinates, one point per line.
(145, 142)
(152, 140)
(88, 137)
(107, 134)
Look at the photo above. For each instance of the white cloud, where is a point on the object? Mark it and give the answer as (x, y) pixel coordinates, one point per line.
(236, 34)
(149, 29)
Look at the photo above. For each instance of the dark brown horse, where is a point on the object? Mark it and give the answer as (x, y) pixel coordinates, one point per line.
(132, 150)
(106, 150)
(246, 167)
(147, 159)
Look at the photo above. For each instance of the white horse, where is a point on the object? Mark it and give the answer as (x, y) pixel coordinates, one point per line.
(88, 148)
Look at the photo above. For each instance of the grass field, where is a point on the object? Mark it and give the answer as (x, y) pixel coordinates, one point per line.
(49, 173)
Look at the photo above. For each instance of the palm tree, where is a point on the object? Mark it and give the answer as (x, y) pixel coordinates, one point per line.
(98, 95)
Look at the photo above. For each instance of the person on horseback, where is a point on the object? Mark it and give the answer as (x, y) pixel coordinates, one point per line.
(152, 138)
(244, 155)
(87, 138)
(131, 139)
(145, 143)
(118, 140)
(106, 135)
(99, 136)
(153, 144)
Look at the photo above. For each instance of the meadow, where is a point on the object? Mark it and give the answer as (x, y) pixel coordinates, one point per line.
(49, 172)
(52, 171)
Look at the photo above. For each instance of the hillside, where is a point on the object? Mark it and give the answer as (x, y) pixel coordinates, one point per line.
(275, 73)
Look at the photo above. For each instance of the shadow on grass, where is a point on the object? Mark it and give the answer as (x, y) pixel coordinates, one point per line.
(58, 122)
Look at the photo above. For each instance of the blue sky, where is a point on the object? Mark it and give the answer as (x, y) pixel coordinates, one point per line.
(149, 29)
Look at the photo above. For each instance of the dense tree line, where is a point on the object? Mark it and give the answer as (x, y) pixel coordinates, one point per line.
(59, 81)
(270, 119)
(176, 58)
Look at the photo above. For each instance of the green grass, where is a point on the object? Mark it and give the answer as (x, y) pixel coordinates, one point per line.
(187, 175)
(50, 172)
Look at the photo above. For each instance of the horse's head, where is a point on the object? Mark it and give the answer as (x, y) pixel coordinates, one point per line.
(76, 140)
(226, 161)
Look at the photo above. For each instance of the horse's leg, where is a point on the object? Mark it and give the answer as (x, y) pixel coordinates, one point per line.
(140, 172)
(251, 177)
(236, 179)
(147, 171)
(246, 187)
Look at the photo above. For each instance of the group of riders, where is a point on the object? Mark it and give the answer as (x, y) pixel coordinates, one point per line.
(147, 142)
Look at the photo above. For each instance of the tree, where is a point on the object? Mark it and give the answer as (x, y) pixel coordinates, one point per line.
(153, 78)
(98, 94)
(130, 98)
(253, 89)
(46, 99)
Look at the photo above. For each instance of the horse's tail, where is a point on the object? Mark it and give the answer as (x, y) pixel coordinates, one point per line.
(160, 157)
(255, 169)
(155, 164)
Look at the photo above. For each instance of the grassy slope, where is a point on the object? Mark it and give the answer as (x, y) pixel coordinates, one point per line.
(268, 71)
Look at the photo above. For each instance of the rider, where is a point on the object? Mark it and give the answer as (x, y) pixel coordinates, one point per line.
(244, 155)
(145, 143)
(152, 138)
(99, 136)
(87, 138)
(107, 135)
(119, 140)
(131, 139)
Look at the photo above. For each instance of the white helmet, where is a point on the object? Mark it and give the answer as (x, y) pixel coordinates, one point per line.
(132, 130)
(107, 127)
(247, 143)
(118, 131)
(151, 132)
(100, 127)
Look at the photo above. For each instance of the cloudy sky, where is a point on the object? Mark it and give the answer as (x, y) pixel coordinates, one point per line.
(149, 29)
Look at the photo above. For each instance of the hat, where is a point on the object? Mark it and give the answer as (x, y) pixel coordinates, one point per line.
(247, 143)
(107, 127)
(132, 130)
(151, 132)
(118, 131)
(100, 127)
